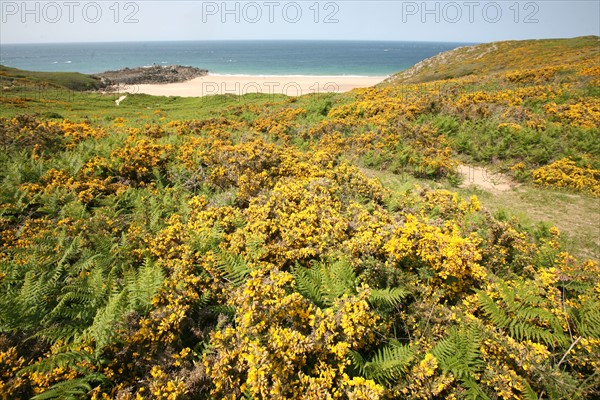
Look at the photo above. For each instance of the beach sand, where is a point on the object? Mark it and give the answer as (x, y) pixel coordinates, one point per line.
(239, 85)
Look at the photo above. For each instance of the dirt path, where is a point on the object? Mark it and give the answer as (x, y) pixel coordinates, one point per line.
(120, 99)
(574, 214)
(485, 179)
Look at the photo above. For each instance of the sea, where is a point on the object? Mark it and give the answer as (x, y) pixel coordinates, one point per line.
(302, 58)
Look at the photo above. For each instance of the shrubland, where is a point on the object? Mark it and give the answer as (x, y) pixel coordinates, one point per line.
(238, 247)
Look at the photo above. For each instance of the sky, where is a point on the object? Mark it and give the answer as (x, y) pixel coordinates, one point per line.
(153, 20)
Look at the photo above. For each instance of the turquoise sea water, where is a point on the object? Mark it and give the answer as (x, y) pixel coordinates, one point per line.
(362, 58)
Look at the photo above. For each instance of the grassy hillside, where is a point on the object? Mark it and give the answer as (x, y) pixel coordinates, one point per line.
(10, 77)
(315, 247)
(488, 58)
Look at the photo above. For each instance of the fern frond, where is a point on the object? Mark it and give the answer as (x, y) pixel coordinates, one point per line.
(587, 318)
(528, 392)
(342, 278)
(72, 389)
(102, 329)
(459, 352)
(233, 267)
(390, 297)
(323, 283)
(524, 313)
(496, 315)
(56, 332)
(144, 286)
(309, 284)
(225, 310)
(473, 391)
(70, 251)
(358, 362)
(87, 261)
(388, 364)
(63, 359)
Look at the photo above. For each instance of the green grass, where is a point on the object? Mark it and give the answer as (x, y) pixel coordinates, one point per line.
(70, 95)
(69, 80)
(136, 108)
(574, 214)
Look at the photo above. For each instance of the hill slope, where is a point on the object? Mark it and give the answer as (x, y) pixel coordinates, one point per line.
(69, 80)
(500, 57)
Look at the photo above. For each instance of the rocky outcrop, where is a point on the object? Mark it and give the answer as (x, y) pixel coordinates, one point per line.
(154, 74)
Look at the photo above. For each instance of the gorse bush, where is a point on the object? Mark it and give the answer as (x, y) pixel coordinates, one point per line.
(566, 173)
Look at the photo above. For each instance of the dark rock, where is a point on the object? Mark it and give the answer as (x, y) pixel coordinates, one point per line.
(154, 74)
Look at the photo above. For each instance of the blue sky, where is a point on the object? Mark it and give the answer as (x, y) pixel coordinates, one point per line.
(149, 20)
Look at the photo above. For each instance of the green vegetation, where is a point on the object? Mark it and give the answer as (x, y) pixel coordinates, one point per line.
(500, 57)
(313, 247)
(69, 80)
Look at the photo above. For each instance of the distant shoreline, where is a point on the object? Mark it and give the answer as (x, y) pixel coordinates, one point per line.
(291, 85)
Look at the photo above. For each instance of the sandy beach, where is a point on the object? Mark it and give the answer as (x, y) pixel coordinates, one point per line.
(240, 85)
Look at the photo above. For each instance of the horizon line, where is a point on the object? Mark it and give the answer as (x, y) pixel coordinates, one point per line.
(246, 40)
(295, 40)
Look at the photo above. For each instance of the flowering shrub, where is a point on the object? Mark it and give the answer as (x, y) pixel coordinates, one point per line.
(566, 173)
(537, 76)
(138, 157)
(76, 132)
(283, 346)
(280, 124)
(584, 113)
(450, 257)
(25, 131)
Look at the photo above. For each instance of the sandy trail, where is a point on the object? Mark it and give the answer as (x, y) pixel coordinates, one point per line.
(120, 99)
(485, 179)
